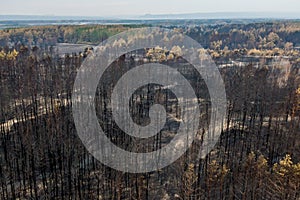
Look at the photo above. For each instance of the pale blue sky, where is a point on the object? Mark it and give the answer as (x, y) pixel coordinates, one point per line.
(141, 7)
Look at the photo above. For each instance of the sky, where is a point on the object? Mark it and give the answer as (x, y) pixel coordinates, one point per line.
(141, 7)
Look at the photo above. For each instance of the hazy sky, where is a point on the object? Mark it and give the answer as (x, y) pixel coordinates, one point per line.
(140, 7)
